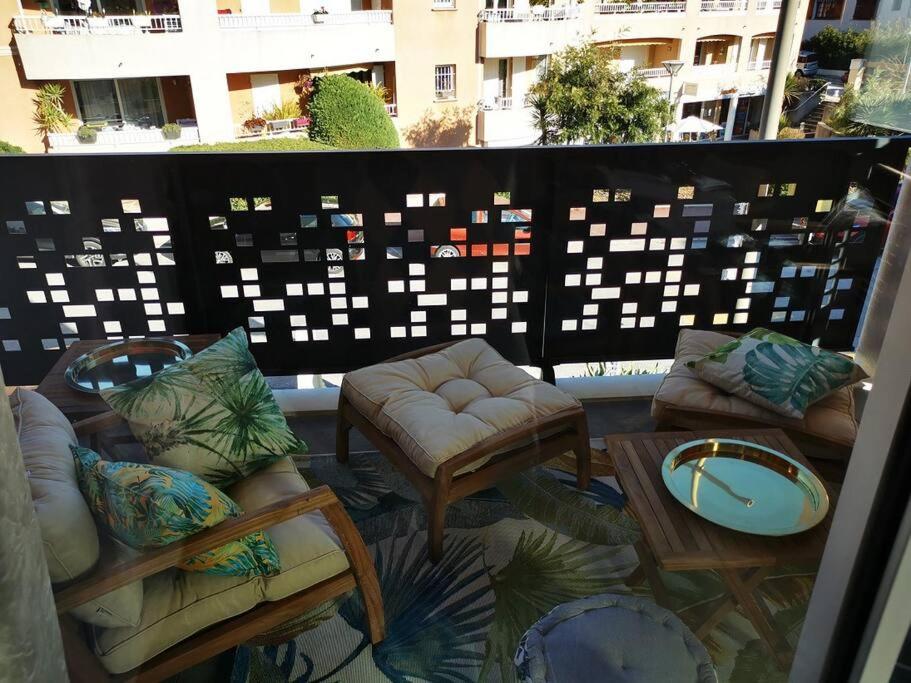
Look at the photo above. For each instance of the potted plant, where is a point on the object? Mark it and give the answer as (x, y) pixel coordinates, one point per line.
(319, 16)
(302, 122)
(87, 135)
(255, 124)
(170, 131)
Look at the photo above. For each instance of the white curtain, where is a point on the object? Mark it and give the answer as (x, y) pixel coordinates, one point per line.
(30, 644)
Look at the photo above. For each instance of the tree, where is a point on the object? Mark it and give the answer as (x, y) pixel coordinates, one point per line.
(349, 115)
(584, 97)
(881, 104)
(50, 114)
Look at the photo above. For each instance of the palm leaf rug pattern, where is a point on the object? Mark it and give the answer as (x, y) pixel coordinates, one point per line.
(511, 555)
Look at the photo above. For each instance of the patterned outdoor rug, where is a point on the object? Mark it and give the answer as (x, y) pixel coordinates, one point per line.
(511, 554)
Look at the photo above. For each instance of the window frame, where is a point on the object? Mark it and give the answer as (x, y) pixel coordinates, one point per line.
(440, 77)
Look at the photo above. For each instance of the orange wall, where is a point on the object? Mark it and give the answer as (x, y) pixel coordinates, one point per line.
(240, 92)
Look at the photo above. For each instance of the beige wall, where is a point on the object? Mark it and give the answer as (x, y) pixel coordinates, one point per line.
(424, 38)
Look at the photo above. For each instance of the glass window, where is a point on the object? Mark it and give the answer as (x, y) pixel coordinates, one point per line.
(134, 101)
(444, 85)
(98, 101)
(141, 103)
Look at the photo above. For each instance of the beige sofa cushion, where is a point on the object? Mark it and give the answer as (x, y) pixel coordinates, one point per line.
(67, 529)
(439, 405)
(686, 401)
(178, 604)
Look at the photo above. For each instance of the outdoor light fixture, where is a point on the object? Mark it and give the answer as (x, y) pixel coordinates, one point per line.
(672, 66)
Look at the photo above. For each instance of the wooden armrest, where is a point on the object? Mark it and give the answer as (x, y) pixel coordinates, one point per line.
(97, 423)
(111, 576)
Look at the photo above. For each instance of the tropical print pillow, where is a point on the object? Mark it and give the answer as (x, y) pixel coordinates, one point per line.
(146, 506)
(776, 372)
(212, 414)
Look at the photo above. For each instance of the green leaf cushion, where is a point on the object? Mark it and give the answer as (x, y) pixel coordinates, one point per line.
(212, 414)
(146, 506)
(776, 372)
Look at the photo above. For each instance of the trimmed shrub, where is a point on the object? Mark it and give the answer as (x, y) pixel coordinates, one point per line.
(835, 49)
(346, 114)
(170, 131)
(10, 148)
(86, 134)
(265, 145)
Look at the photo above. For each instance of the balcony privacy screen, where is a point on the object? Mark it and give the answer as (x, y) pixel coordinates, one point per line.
(336, 260)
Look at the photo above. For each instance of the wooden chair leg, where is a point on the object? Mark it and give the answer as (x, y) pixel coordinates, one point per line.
(362, 567)
(583, 453)
(342, 430)
(436, 516)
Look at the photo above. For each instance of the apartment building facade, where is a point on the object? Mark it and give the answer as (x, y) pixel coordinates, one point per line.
(853, 14)
(457, 72)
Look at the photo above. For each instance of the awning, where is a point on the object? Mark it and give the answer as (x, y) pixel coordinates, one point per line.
(714, 39)
(640, 43)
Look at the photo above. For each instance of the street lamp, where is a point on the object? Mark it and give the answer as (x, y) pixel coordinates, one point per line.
(672, 66)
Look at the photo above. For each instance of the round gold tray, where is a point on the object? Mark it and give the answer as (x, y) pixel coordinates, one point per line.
(745, 486)
(120, 362)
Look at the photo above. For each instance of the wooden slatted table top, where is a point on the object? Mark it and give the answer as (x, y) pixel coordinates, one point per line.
(682, 540)
(77, 405)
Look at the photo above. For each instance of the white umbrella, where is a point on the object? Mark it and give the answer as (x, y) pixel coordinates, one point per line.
(693, 124)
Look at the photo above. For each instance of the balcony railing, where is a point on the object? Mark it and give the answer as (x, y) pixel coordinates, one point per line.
(533, 14)
(498, 102)
(109, 25)
(258, 22)
(768, 5)
(759, 64)
(651, 71)
(392, 109)
(254, 240)
(640, 7)
(123, 138)
(723, 6)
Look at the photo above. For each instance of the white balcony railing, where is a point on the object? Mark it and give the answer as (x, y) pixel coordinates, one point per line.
(768, 5)
(651, 72)
(500, 103)
(109, 25)
(536, 13)
(117, 138)
(257, 22)
(723, 6)
(759, 65)
(640, 7)
(392, 109)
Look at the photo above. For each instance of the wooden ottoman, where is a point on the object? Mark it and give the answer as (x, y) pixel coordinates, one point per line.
(457, 418)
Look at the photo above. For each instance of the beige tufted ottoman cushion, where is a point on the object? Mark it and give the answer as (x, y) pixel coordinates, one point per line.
(438, 405)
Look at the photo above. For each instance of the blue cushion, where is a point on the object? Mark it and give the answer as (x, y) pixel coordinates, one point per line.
(612, 638)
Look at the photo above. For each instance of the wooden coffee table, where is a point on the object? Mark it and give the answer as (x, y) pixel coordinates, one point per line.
(77, 405)
(676, 539)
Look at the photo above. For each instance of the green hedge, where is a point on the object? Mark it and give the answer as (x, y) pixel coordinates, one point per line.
(835, 49)
(10, 148)
(264, 145)
(346, 114)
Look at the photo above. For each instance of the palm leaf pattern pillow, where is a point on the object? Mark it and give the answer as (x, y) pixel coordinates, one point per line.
(146, 506)
(212, 414)
(776, 372)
